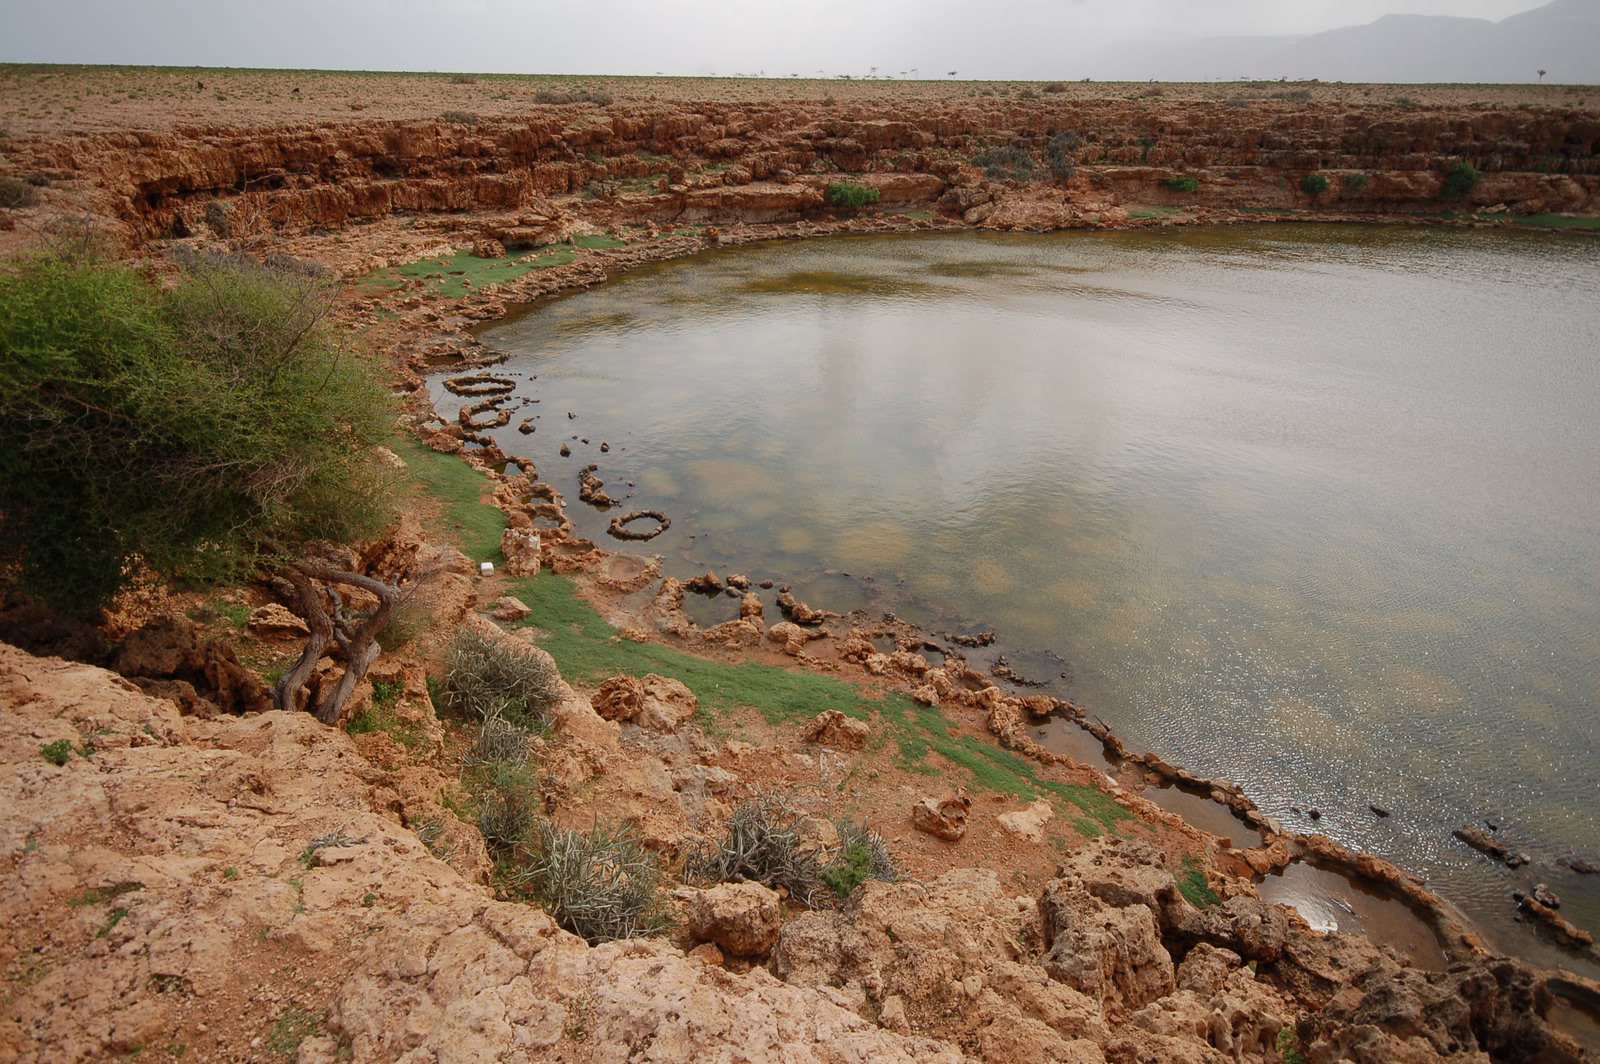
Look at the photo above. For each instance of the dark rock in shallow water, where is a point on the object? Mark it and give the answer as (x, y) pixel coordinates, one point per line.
(1314, 814)
(1378, 810)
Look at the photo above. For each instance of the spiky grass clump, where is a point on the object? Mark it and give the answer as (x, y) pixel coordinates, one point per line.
(498, 740)
(491, 677)
(599, 884)
(508, 800)
(763, 845)
(863, 854)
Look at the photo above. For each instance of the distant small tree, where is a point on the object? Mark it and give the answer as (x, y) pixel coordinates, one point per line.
(1062, 155)
(1460, 180)
(1314, 185)
(1541, 75)
(1183, 184)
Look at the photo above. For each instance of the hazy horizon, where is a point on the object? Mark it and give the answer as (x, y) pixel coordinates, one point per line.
(1015, 39)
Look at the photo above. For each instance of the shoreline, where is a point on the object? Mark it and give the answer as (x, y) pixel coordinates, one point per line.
(1009, 712)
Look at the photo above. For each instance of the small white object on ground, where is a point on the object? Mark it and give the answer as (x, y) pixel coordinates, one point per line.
(486, 568)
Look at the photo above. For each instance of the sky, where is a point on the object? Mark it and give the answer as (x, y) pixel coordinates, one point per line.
(995, 39)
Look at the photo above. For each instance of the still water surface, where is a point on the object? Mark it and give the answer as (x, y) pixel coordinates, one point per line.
(1316, 509)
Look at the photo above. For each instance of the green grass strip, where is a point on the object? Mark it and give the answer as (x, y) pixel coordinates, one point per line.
(476, 524)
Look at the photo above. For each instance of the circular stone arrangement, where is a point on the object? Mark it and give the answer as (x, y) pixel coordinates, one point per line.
(485, 415)
(481, 384)
(619, 524)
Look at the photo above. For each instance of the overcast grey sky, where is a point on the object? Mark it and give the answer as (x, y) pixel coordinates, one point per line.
(997, 38)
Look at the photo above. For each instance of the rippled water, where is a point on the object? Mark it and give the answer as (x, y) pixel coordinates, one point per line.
(1316, 509)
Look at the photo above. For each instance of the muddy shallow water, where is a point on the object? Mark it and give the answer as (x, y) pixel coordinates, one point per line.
(1316, 509)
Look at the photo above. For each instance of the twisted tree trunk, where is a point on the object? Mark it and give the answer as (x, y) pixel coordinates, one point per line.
(315, 584)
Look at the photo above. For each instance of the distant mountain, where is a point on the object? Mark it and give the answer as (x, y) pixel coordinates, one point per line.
(1562, 38)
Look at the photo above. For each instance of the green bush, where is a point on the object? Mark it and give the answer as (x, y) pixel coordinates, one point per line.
(600, 884)
(57, 753)
(1182, 184)
(1062, 155)
(851, 197)
(198, 429)
(1005, 163)
(15, 192)
(1355, 184)
(1461, 179)
(488, 677)
(1314, 185)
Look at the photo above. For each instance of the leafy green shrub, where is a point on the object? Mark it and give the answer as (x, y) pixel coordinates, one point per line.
(1461, 179)
(863, 855)
(599, 884)
(850, 197)
(1182, 184)
(15, 193)
(763, 845)
(486, 676)
(1005, 163)
(1355, 184)
(197, 429)
(1062, 155)
(57, 753)
(1314, 185)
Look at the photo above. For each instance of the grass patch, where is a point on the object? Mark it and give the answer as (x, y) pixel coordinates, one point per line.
(476, 525)
(1558, 221)
(57, 753)
(380, 716)
(294, 1026)
(1143, 214)
(101, 895)
(455, 275)
(921, 216)
(1193, 886)
(598, 241)
(221, 611)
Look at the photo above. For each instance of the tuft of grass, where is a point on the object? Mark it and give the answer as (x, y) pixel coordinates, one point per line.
(380, 716)
(101, 895)
(489, 677)
(507, 796)
(762, 845)
(1193, 886)
(293, 1026)
(1183, 184)
(600, 884)
(1289, 1047)
(598, 241)
(863, 854)
(113, 918)
(1355, 184)
(217, 610)
(57, 753)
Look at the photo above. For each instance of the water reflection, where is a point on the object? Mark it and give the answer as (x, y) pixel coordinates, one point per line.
(1312, 509)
